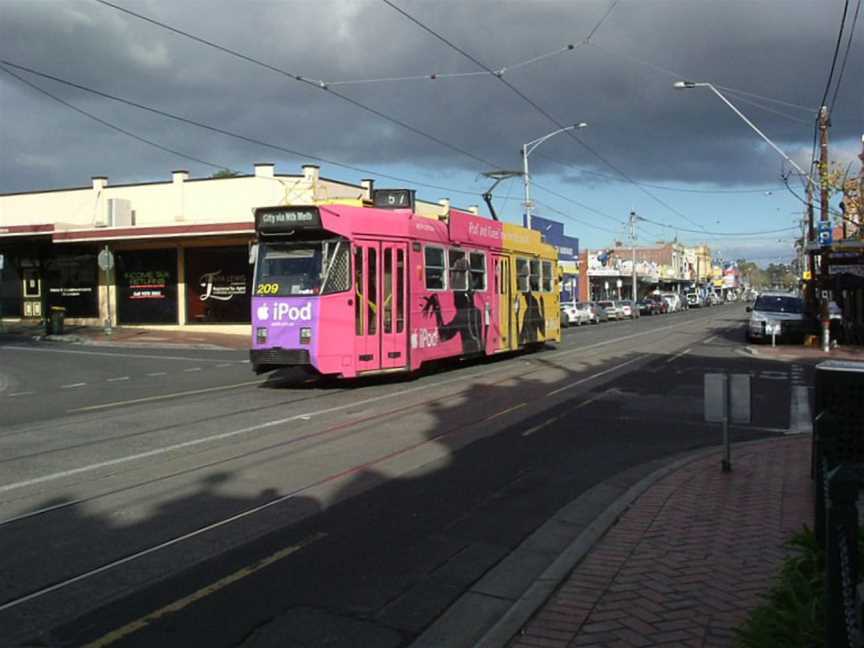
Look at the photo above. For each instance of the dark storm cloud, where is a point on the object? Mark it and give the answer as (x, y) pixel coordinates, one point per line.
(774, 47)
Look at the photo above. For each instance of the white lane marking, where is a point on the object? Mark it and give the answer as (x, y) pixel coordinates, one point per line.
(24, 393)
(73, 385)
(224, 364)
(709, 340)
(268, 424)
(800, 419)
(118, 379)
(158, 373)
(148, 399)
(4, 383)
(544, 424)
(503, 412)
(114, 355)
(628, 337)
(678, 355)
(593, 376)
(192, 369)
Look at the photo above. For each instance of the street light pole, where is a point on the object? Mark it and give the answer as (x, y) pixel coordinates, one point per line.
(682, 85)
(633, 219)
(527, 149)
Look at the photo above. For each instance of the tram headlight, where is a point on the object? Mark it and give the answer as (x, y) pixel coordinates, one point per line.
(305, 335)
(261, 335)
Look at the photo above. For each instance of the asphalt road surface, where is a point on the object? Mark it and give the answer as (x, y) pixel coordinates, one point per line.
(171, 498)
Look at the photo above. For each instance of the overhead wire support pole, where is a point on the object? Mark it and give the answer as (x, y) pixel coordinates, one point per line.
(633, 219)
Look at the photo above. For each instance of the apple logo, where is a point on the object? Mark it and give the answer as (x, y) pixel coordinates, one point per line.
(263, 312)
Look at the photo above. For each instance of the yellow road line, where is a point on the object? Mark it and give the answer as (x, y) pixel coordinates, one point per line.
(186, 601)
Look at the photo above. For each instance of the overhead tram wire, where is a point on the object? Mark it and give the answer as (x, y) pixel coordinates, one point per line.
(296, 77)
(776, 231)
(836, 53)
(227, 133)
(114, 127)
(661, 187)
(539, 108)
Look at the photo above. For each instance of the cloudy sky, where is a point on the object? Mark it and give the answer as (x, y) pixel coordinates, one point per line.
(680, 159)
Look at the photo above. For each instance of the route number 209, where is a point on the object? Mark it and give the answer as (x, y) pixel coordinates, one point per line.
(267, 289)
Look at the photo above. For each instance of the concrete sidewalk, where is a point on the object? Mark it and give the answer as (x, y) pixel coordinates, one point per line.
(127, 336)
(688, 559)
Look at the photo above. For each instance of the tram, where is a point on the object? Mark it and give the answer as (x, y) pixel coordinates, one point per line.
(349, 288)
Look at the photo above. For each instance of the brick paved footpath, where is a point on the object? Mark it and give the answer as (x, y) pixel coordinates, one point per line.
(689, 559)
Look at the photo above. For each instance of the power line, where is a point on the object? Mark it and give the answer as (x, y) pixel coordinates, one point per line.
(662, 187)
(767, 108)
(836, 52)
(577, 220)
(537, 107)
(296, 77)
(846, 54)
(227, 133)
(777, 231)
(110, 125)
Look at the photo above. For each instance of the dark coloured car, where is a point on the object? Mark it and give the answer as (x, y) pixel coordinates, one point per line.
(649, 306)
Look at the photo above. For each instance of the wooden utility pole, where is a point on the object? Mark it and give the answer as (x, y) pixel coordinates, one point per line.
(824, 216)
(810, 294)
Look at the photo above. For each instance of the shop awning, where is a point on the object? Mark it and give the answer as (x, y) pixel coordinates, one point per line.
(181, 230)
(26, 230)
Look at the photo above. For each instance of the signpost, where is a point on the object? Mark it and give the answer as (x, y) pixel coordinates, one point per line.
(727, 398)
(824, 234)
(106, 263)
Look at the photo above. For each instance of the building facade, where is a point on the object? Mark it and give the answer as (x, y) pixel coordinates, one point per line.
(180, 248)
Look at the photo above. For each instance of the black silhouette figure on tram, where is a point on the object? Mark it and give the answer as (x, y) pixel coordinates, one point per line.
(467, 322)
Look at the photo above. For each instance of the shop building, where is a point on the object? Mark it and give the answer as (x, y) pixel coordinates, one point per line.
(180, 247)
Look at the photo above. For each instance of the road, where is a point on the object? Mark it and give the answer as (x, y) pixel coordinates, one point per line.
(261, 512)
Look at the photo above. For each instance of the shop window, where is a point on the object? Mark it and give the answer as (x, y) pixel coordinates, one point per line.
(458, 270)
(522, 275)
(71, 280)
(147, 286)
(434, 262)
(477, 278)
(218, 285)
(547, 276)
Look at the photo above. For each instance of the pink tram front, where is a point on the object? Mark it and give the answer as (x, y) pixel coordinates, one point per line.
(348, 290)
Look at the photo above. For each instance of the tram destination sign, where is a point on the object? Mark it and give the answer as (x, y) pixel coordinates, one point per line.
(277, 220)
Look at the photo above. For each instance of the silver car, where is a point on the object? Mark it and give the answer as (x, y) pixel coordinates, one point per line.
(778, 314)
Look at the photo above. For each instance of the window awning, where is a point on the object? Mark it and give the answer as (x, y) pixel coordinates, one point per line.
(182, 230)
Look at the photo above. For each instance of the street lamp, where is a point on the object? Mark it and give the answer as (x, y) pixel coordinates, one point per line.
(686, 85)
(527, 149)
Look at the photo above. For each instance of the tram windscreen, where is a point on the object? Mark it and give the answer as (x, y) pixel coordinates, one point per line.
(302, 268)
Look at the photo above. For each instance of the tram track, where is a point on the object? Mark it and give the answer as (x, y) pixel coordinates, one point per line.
(475, 421)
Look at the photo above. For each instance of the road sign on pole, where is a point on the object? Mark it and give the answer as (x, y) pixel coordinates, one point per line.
(824, 234)
(105, 259)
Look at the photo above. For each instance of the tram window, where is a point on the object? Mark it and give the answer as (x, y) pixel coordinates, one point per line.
(387, 303)
(400, 291)
(336, 260)
(478, 271)
(458, 270)
(434, 258)
(359, 306)
(372, 292)
(522, 272)
(547, 276)
(535, 275)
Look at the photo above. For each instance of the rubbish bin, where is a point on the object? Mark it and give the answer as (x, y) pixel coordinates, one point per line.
(55, 322)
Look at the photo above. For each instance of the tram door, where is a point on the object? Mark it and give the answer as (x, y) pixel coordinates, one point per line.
(381, 291)
(503, 289)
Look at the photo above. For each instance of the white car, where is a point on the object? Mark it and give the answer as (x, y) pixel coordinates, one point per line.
(576, 314)
(674, 301)
(780, 314)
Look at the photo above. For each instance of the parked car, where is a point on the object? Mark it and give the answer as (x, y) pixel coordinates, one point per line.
(611, 310)
(695, 300)
(600, 314)
(628, 311)
(674, 301)
(576, 314)
(648, 306)
(781, 313)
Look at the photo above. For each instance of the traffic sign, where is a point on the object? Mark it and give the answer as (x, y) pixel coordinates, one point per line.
(105, 260)
(2, 259)
(807, 275)
(824, 234)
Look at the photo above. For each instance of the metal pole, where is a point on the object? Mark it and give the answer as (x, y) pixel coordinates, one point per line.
(527, 183)
(108, 296)
(726, 464)
(633, 245)
(824, 281)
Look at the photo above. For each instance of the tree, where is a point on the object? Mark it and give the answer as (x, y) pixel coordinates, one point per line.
(225, 173)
